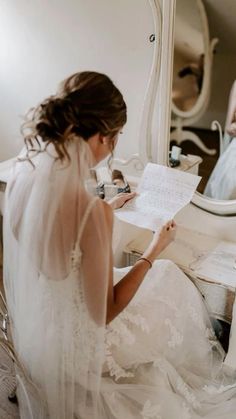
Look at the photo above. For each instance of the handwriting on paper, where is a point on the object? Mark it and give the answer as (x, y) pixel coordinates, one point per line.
(162, 192)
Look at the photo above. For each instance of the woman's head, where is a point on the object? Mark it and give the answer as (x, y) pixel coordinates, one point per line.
(88, 105)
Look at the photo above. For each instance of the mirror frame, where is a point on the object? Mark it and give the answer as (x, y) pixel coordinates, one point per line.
(138, 161)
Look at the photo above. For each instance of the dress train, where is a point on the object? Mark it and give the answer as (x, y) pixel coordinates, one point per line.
(163, 360)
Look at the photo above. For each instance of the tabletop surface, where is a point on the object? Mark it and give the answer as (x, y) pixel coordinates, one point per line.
(198, 254)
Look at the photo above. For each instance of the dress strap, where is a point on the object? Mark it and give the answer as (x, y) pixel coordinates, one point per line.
(85, 218)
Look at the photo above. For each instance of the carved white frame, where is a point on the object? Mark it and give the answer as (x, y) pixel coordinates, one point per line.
(215, 206)
(162, 109)
(136, 163)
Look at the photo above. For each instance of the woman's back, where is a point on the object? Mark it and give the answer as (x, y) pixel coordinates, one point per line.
(51, 301)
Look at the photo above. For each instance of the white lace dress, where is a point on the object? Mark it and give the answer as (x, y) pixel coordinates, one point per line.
(163, 360)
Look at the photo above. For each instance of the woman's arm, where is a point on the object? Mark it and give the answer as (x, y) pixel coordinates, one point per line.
(97, 264)
(120, 295)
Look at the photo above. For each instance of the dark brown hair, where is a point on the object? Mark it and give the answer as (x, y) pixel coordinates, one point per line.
(87, 103)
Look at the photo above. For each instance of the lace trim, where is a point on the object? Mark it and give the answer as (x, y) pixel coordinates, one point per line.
(115, 370)
(118, 334)
(170, 303)
(198, 320)
(210, 389)
(176, 336)
(84, 329)
(184, 391)
(186, 412)
(151, 411)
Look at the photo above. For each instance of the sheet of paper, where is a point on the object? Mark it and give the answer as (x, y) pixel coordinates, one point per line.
(219, 263)
(162, 192)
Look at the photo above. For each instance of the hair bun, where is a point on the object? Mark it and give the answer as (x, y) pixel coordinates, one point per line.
(87, 103)
(53, 122)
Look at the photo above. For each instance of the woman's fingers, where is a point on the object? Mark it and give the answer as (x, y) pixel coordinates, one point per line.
(130, 195)
(120, 199)
(127, 196)
(170, 224)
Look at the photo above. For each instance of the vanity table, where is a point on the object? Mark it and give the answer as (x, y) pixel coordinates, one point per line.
(189, 163)
(206, 260)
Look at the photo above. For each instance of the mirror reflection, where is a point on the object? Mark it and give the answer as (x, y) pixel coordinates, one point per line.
(188, 55)
(222, 181)
(214, 157)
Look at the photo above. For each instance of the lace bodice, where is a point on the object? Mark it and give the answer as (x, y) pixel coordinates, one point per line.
(65, 299)
(76, 253)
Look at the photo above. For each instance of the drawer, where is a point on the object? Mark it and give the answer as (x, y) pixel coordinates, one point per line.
(219, 299)
(131, 258)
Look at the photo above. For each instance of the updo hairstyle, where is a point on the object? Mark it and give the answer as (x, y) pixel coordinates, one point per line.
(87, 103)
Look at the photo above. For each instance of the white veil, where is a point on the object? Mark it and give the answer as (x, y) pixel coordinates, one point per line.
(56, 295)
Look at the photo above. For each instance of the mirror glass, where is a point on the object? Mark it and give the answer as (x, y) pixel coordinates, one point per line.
(213, 156)
(188, 68)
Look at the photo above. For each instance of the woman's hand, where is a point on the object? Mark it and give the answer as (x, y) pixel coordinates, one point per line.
(120, 199)
(161, 240)
(166, 235)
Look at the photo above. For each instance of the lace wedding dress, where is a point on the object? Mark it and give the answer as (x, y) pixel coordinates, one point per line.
(159, 359)
(163, 360)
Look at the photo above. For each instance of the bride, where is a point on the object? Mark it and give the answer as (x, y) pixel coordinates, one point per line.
(139, 345)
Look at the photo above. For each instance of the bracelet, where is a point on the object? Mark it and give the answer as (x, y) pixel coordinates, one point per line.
(147, 260)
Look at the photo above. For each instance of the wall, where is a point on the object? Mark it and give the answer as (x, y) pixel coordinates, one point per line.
(44, 41)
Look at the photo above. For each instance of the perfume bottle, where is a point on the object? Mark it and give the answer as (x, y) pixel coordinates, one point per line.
(175, 156)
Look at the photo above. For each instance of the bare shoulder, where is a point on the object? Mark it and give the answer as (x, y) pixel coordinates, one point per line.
(99, 225)
(108, 212)
(104, 211)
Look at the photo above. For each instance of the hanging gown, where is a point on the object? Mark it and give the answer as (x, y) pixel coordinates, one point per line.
(222, 182)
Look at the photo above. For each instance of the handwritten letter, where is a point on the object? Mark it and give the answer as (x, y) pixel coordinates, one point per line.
(162, 192)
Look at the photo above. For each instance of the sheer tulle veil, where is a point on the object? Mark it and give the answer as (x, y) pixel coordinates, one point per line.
(57, 312)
